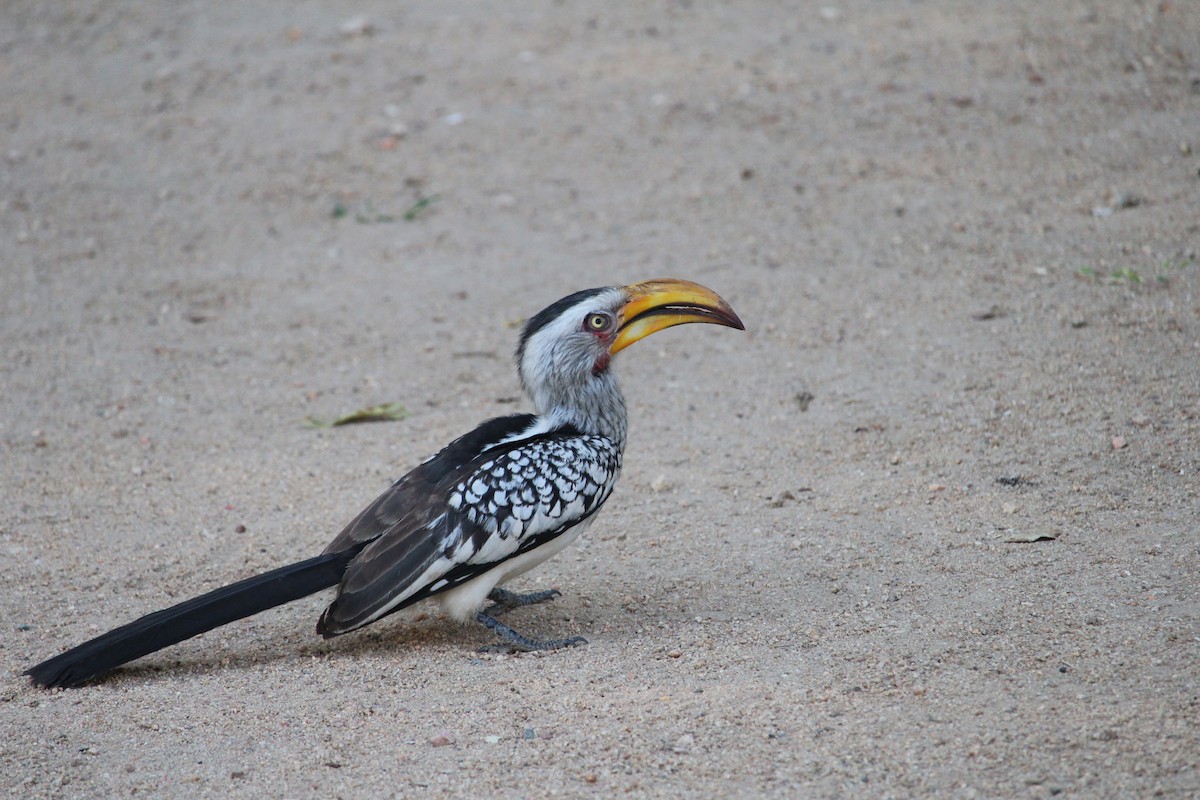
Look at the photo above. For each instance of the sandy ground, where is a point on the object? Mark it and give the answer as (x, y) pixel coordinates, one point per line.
(963, 237)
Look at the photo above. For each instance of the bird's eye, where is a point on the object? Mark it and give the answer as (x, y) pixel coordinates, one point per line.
(597, 322)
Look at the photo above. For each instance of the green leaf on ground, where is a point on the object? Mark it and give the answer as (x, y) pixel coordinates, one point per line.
(1030, 537)
(385, 412)
(419, 206)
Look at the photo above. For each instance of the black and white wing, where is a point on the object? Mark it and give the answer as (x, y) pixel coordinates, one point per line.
(412, 493)
(442, 525)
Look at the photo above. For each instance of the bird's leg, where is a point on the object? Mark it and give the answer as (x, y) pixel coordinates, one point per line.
(516, 641)
(503, 600)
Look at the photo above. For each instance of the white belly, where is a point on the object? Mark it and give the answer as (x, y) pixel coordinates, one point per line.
(463, 601)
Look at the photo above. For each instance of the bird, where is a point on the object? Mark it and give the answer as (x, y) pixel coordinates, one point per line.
(489, 506)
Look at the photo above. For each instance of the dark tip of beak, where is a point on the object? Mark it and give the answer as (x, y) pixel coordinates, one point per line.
(719, 316)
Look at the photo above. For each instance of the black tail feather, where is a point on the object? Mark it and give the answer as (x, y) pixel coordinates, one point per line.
(191, 618)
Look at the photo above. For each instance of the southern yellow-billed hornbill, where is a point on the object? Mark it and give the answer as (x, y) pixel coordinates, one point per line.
(491, 505)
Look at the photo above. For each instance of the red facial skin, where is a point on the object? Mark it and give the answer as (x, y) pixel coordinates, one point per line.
(605, 335)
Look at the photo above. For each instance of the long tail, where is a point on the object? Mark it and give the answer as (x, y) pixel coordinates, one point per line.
(191, 618)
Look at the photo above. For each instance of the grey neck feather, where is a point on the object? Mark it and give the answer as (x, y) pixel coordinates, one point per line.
(593, 406)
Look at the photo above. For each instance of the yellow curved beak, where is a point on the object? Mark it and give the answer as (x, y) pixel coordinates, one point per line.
(666, 302)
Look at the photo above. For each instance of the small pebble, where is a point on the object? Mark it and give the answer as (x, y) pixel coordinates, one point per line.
(684, 744)
(442, 740)
(357, 26)
(1118, 443)
(1127, 200)
(779, 501)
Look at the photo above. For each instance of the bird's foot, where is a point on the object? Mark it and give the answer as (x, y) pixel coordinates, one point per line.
(503, 600)
(515, 641)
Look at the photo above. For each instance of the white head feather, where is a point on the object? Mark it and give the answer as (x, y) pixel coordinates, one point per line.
(564, 367)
